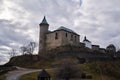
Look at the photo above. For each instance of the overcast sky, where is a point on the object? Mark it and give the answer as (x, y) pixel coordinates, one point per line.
(99, 20)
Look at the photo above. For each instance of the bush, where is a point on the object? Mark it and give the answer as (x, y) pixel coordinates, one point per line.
(67, 71)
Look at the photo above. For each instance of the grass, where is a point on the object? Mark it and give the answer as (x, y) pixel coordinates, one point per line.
(33, 76)
(110, 70)
(2, 77)
(86, 68)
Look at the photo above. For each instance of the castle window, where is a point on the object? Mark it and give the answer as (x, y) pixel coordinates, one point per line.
(75, 38)
(66, 34)
(56, 35)
(71, 37)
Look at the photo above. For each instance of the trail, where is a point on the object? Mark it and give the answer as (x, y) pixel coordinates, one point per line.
(16, 74)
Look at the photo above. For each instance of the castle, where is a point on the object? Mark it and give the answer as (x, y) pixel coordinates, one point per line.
(60, 37)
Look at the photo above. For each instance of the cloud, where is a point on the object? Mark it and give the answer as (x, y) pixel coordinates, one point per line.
(14, 36)
(19, 20)
(3, 58)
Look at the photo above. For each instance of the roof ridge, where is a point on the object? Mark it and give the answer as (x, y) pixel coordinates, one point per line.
(64, 28)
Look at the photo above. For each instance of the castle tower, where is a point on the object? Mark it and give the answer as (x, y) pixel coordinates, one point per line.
(42, 36)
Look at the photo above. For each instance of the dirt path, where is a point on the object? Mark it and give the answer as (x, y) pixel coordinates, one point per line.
(15, 75)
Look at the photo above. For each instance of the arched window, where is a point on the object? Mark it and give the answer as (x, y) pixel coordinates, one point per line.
(56, 35)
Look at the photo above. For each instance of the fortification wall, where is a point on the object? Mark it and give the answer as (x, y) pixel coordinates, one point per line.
(61, 38)
(53, 40)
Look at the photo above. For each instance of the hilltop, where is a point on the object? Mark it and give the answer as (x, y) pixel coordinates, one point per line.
(60, 53)
(91, 62)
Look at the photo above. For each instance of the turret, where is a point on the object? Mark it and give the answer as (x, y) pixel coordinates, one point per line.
(42, 36)
(87, 43)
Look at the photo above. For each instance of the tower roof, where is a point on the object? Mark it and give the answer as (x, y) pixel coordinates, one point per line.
(44, 21)
(85, 39)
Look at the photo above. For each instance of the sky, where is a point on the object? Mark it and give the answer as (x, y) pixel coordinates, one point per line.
(99, 20)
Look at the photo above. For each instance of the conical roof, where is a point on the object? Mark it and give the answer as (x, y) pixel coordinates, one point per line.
(44, 21)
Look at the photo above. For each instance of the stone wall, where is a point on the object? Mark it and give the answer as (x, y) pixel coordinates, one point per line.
(71, 38)
(51, 42)
(87, 44)
(63, 38)
(42, 37)
(95, 47)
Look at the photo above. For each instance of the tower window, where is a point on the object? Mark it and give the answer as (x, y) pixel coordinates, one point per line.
(56, 35)
(66, 34)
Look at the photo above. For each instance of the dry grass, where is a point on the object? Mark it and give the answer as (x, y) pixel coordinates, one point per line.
(85, 67)
(2, 77)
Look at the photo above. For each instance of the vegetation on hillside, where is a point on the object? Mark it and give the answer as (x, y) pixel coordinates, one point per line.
(106, 70)
(67, 70)
(98, 70)
(2, 77)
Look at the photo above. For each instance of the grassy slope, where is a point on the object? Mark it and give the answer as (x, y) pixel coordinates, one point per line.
(2, 77)
(94, 69)
(90, 68)
(43, 62)
(33, 76)
(26, 62)
(110, 70)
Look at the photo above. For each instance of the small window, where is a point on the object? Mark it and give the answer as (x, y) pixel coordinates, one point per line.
(56, 35)
(75, 38)
(71, 37)
(66, 34)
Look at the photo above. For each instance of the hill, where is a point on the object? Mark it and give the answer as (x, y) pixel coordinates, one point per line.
(98, 70)
(109, 67)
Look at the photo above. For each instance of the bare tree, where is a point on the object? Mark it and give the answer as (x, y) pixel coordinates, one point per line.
(12, 53)
(67, 71)
(23, 50)
(31, 47)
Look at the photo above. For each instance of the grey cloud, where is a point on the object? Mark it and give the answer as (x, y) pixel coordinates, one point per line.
(10, 38)
(8, 35)
(99, 20)
(1, 5)
(3, 59)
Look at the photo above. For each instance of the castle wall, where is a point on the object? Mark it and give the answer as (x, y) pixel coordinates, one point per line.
(95, 47)
(63, 38)
(71, 38)
(87, 44)
(52, 42)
